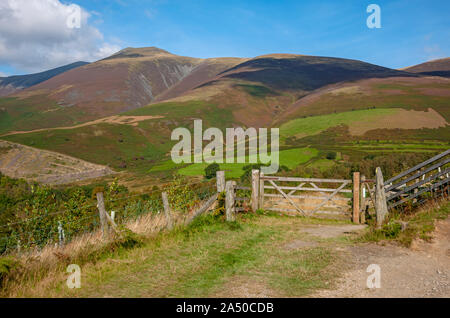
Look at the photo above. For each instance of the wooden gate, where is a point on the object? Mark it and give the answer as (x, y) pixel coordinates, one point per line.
(307, 196)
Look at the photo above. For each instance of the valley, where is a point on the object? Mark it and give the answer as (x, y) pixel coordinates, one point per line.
(120, 111)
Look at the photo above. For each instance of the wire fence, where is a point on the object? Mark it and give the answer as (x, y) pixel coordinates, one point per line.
(40, 226)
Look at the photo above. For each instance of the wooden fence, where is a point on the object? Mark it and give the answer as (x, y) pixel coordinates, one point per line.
(413, 186)
(335, 198)
(341, 198)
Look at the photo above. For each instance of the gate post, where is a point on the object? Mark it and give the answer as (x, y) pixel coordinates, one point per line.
(255, 189)
(261, 190)
(380, 198)
(356, 187)
(230, 200)
(363, 205)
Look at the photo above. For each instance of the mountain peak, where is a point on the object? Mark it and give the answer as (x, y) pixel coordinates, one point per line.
(131, 52)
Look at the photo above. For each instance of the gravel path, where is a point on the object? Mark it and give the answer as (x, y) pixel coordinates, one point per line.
(421, 271)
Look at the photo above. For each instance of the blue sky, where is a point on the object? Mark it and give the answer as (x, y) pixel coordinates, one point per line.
(412, 31)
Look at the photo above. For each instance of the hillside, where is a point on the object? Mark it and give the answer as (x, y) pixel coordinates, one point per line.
(133, 78)
(355, 109)
(18, 161)
(130, 79)
(439, 67)
(13, 84)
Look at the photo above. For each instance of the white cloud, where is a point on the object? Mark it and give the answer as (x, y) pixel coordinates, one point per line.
(35, 36)
(3, 74)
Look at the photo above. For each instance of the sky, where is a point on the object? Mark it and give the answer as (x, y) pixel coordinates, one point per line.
(34, 34)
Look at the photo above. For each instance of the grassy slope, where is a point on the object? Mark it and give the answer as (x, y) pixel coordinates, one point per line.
(35, 113)
(406, 96)
(420, 225)
(147, 145)
(138, 147)
(210, 258)
(312, 125)
(290, 158)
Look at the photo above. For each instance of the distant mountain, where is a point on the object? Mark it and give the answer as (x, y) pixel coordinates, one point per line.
(12, 84)
(120, 111)
(129, 79)
(252, 91)
(300, 72)
(439, 67)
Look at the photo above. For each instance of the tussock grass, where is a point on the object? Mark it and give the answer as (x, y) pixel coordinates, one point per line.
(201, 259)
(39, 269)
(420, 224)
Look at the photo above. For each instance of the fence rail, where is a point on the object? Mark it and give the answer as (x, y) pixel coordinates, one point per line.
(426, 177)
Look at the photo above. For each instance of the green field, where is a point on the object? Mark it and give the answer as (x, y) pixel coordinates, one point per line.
(312, 125)
(290, 158)
(379, 96)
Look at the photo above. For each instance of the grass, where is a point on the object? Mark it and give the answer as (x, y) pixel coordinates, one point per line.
(106, 144)
(257, 90)
(379, 97)
(419, 225)
(301, 127)
(210, 257)
(34, 113)
(290, 158)
(182, 114)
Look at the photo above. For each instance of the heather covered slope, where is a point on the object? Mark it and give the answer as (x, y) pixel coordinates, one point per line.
(439, 67)
(352, 108)
(130, 79)
(13, 84)
(299, 72)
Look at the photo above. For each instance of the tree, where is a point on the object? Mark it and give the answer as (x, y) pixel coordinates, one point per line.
(331, 155)
(210, 171)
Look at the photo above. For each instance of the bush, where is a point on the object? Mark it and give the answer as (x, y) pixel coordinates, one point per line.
(6, 266)
(331, 155)
(210, 171)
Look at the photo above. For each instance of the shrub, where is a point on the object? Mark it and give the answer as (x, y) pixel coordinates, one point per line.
(331, 155)
(210, 171)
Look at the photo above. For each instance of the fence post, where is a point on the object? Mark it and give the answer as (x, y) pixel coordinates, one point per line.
(61, 236)
(363, 208)
(380, 198)
(101, 211)
(356, 186)
(255, 189)
(167, 210)
(261, 190)
(230, 200)
(220, 179)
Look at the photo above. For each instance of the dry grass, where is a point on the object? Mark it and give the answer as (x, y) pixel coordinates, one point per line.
(43, 268)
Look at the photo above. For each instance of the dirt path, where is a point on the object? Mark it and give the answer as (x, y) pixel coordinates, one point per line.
(422, 271)
(118, 119)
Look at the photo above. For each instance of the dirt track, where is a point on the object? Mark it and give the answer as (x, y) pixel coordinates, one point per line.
(422, 271)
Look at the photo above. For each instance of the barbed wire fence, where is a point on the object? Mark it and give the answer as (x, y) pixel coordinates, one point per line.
(62, 226)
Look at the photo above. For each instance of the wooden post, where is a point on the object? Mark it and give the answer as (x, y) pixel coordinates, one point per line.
(380, 198)
(356, 187)
(61, 236)
(261, 190)
(255, 189)
(220, 179)
(362, 211)
(101, 211)
(167, 210)
(230, 200)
